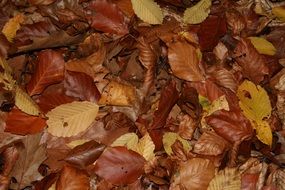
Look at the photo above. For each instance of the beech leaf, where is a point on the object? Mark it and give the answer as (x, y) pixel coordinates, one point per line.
(169, 139)
(145, 147)
(263, 46)
(148, 10)
(72, 118)
(12, 26)
(184, 62)
(198, 13)
(119, 165)
(226, 179)
(279, 12)
(130, 140)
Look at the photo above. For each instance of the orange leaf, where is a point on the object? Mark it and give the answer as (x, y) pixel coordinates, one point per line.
(12, 26)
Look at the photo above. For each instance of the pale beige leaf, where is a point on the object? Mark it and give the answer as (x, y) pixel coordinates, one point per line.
(25, 103)
(146, 147)
(184, 62)
(118, 94)
(78, 142)
(31, 156)
(70, 119)
(198, 13)
(169, 139)
(263, 46)
(12, 26)
(130, 140)
(227, 179)
(148, 10)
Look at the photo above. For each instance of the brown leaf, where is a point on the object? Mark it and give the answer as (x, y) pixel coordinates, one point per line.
(6, 139)
(21, 123)
(107, 17)
(235, 21)
(248, 181)
(253, 64)
(125, 6)
(85, 154)
(210, 31)
(72, 179)
(114, 165)
(46, 182)
(31, 156)
(277, 38)
(168, 99)
(81, 86)
(41, 2)
(194, 174)
(231, 125)
(211, 144)
(49, 70)
(184, 62)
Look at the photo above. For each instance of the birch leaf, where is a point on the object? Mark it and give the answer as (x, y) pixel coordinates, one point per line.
(25, 103)
(169, 139)
(263, 46)
(227, 179)
(146, 147)
(148, 10)
(12, 26)
(130, 140)
(198, 13)
(70, 119)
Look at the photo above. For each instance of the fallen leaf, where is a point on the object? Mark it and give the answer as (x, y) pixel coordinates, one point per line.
(263, 46)
(169, 139)
(208, 89)
(279, 12)
(194, 174)
(226, 179)
(129, 140)
(25, 170)
(6, 139)
(114, 165)
(72, 179)
(145, 147)
(148, 10)
(184, 61)
(21, 123)
(107, 17)
(12, 26)
(72, 118)
(49, 70)
(198, 13)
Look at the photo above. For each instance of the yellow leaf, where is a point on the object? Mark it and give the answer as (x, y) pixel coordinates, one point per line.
(75, 143)
(146, 147)
(263, 46)
(12, 26)
(279, 12)
(263, 132)
(130, 140)
(256, 106)
(219, 104)
(198, 13)
(169, 139)
(52, 187)
(254, 101)
(205, 103)
(5, 66)
(148, 10)
(227, 179)
(25, 103)
(117, 94)
(70, 119)
(6, 76)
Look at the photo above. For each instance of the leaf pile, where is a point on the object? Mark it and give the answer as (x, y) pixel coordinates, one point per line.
(142, 94)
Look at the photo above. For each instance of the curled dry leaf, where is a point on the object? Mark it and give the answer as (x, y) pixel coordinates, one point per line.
(49, 70)
(194, 174)
(107, 17)
(72, 118)
(21, 123)
(184, 62)
(118, 94)
(210, 144)
(231, 125)
(72, 179)
(235, 21)
(81, 86)
(114, 165)
(253, 64)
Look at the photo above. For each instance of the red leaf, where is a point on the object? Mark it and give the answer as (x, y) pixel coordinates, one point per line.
(72, 179)
(231, 125)
(210, 31)
(80, 85)
(254, 65)
(108, 18)
(168, 99)
(21, 123)
(119, 165)
(49, 70)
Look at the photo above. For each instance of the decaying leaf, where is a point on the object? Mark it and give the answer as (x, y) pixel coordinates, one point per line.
(227, 179)
(148, 10)
(198, 13)
(12, 26)
(256, 106)
(263, 46)
(118, 94)
(169, 139)
(72, 118)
